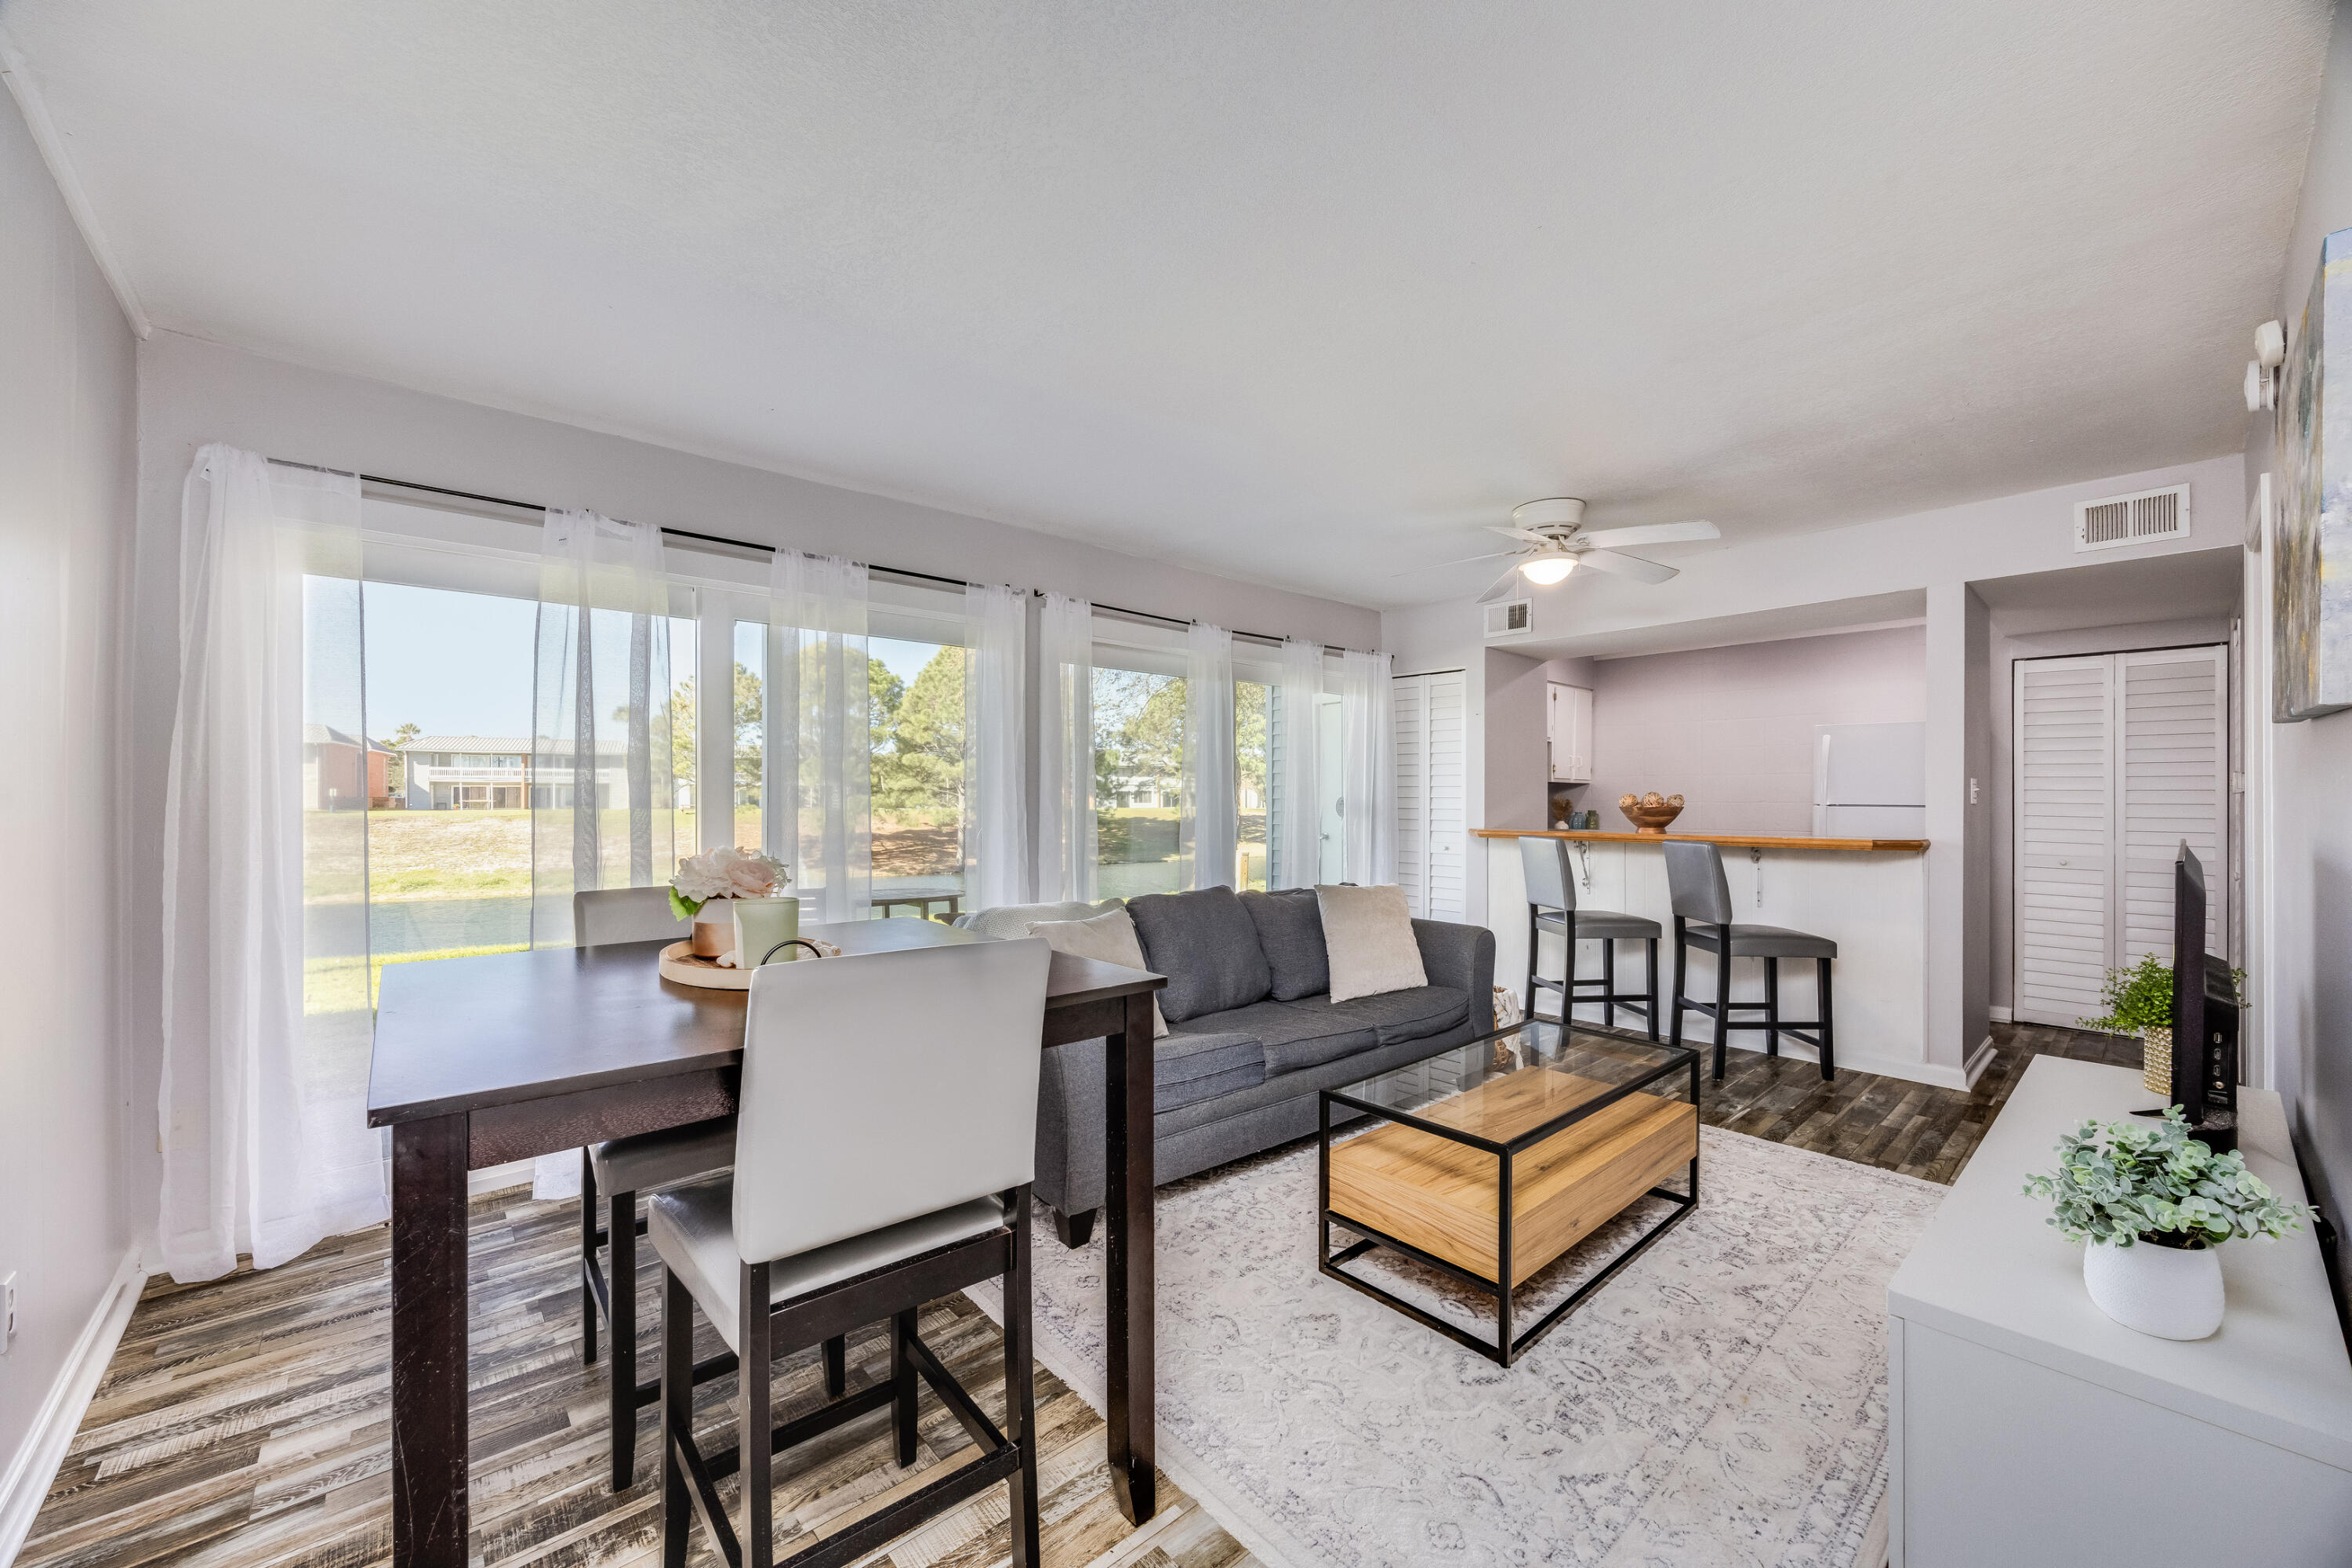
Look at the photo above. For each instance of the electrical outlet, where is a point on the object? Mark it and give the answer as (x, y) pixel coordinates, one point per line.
(9, 1311)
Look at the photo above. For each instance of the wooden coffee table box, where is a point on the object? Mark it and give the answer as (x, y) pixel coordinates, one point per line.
(1566, 1128)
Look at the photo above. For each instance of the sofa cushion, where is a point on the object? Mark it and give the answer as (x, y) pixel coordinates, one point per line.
(1189, 1067)
(1414, 1014)
(1109, 936)
(1296, 1034)
(1206, 945)
(1015, 919)
(1290, 930)
(1369, 934)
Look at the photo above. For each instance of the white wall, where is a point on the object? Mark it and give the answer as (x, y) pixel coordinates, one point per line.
(67, 430)
(1516, 775)
(1731, 729)
(192, 391)
(2304, 978)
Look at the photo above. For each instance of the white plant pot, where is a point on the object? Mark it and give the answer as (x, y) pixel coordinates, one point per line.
(2167, 1291)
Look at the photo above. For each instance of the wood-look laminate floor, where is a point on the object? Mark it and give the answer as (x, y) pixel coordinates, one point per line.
(242, 1423)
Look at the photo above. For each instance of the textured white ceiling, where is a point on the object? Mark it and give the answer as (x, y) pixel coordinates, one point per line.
(1300, 293)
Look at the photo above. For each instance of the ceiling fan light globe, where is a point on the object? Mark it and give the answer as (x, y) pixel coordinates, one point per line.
(1546, 570)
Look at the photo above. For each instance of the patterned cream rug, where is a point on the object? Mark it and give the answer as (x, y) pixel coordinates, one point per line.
(1723, 1401)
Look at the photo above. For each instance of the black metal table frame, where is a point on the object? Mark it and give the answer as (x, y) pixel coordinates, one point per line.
(1503, 1349)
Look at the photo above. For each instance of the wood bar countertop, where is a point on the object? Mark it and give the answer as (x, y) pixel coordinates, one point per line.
(1735, 841)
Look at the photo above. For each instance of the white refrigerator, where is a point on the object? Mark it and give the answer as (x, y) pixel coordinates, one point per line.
(1870, 781)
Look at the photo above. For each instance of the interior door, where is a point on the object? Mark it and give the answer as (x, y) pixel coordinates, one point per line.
(1448, 797)
(2120, 759)
(2063, 870)
(1410, 695)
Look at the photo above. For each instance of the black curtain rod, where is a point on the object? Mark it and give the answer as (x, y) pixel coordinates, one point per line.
(748, 544)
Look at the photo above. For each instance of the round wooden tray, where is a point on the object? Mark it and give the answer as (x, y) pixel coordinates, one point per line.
(679, 964)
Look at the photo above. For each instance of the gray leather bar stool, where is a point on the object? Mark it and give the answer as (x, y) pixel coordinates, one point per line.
(1701, 904)
(623, 1168)
(875, 1170)
(1551, 906)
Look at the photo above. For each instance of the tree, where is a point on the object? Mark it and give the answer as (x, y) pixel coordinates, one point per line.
(397, 767)
(918, 761)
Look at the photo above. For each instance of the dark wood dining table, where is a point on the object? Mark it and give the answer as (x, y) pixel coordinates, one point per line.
(480, 1061)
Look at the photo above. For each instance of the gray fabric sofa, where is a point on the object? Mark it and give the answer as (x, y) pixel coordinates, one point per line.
(1252, 1035)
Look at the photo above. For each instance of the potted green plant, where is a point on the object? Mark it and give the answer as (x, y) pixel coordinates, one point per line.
(2138, 1001)
(2150, 1204)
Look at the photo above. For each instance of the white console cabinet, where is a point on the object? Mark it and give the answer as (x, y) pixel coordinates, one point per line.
(2026, 1428)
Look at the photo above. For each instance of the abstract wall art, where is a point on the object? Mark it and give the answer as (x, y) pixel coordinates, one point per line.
(2311, 576)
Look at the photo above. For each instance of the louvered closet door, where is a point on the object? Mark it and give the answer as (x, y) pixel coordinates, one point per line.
(1449, 820)
(2062, 733)
(1410, 695)
(2175, 785)
(2120, 758)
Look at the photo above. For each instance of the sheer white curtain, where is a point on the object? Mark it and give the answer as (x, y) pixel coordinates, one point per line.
(820, 762)
(1208, 825)
(261, 1115)
(1066, 844)
(1368, 782)
(603, 800)
(995, 748)
(1298, 787)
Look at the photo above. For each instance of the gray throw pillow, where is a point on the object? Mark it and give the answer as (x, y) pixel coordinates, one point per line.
(1206, 945)
(1290, 930)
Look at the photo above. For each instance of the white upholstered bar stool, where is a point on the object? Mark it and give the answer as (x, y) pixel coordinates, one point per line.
(1551, 906)
(877, 1169)
(1702, 905)
(622, 1169)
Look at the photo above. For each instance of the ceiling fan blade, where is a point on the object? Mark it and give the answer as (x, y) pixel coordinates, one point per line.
(1496, 587)
(1529, 535)
(1654, 534)
(1464, 561)
(1626, 565)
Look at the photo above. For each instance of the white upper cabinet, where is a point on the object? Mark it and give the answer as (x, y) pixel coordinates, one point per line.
(1567, 729)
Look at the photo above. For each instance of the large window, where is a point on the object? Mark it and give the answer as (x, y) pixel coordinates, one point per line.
(1253, 775)
(1139, 777)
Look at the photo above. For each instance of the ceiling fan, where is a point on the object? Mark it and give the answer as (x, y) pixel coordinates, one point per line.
(1553, 543)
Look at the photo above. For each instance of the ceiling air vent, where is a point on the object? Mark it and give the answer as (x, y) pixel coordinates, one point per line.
(2132, 520)
(1511, 619)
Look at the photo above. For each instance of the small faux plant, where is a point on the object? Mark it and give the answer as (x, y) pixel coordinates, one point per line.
(2149, 1180)
(2139, 998)
(725, 872)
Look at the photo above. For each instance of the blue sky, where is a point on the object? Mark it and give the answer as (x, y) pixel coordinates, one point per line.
(461, 663)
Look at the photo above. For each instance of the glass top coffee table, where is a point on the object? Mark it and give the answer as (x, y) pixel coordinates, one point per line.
(1489, 1161)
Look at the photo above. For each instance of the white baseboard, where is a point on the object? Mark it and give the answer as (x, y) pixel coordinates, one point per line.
(1999, 1014)
(1933, 1073)
(35, 1464)
(1978, 1059)
(499, 1178)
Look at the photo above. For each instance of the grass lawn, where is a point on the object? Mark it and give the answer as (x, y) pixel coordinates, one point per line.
(338, 984)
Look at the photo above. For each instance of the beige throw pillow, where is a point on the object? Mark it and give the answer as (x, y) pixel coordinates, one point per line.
(1369, 931)
(1110, 937)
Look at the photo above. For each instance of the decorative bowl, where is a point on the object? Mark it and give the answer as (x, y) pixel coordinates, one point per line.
(1649, 812)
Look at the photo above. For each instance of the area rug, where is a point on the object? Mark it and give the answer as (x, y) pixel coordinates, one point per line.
(1722, 1400)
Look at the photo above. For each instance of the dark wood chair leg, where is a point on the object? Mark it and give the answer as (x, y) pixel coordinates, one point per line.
(1535, 934)
(1652, 942)
(1682, 953)
(1829, 1032)
(1074, 1229)
(836, 1366)
(621, 1376)
(588, 1264)
(1021, 1394)
(755, 1444)
(1609, 979)
(902, 1386)
(676, 1414)
(1722, 998)
(1771, 1007)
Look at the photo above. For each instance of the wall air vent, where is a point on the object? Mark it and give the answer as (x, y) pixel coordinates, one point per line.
(2132, 520)
(1511, 619)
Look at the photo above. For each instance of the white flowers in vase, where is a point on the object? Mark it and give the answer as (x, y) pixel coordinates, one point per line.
(725, 872)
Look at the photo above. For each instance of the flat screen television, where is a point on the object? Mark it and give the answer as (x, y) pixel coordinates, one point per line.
(2204, 1015)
